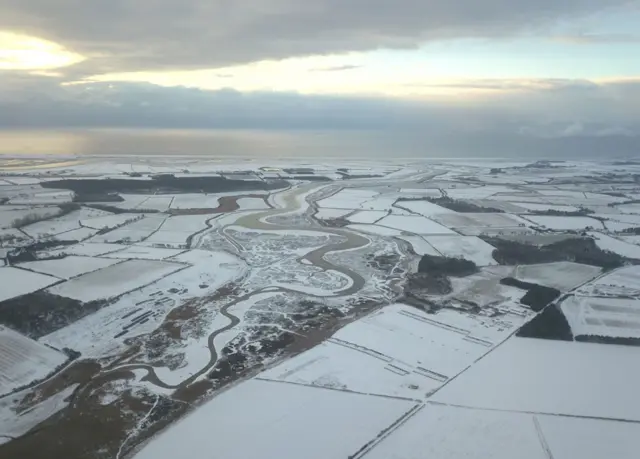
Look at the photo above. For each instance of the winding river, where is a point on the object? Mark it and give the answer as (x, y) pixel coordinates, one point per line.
(290, 202)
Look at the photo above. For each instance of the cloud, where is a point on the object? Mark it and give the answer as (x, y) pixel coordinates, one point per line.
(546, 119)
(598, 38)
(337, 68)
(544, 108)
(125, 35)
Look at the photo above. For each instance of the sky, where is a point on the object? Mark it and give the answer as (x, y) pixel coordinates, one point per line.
(514, 68)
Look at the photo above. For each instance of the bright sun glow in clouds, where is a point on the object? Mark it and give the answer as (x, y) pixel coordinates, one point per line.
(22, 52)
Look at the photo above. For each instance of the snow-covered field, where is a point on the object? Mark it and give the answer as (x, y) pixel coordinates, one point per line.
(566, 223)
(94, 335)
(89, 249)
(621, 282)
(367, 216)
(420, 245)
(448, 432)
(414, 224)
(147, 253)
(14, 424)
(16, 282)
(115, 280)
(468, 247)
(424, 208)
(23, 360)
(111, 221)
(68, 267)
(479, 220)
(348, 199)
(394, 382)
(441, 431)
(252, 204)
(399, 351)
(562, 275)
(330, 214)
(375, 229)
(264, 419)
(133, 232)
(553, 377)
(64, 224)
(10, 215)
(611, 317)
(194, 201)
(544, 207)
(612, 244)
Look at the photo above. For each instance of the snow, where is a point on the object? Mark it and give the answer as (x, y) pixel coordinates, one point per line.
(23, 360)
(79, 234)
(330, 214)
(16, 282)
(252, 204)
(367, 216)
(420, 245)
(68, 267)
(281, 420)
(147, 253)
(375, 229)
(468, 247)
(612, 244)
(430, 192)
(481, 192)
(424, 208)
(93, 335)
(190, 223)
(195, 201)
(64, 224)
(629, 208)
(51, 197)
(15, 425)
(563, 275)
(89, 249)
(115, 280)
(348, 199)
(176, 231)
(543, 376)
(7, 217)
(337, 365)
(133, 232)
(565, 223)
(543, 207)
(479, 220)
(621, 282)
(571, 438)
(445, 432)
(414, 224)
(613, 317)
(160, 203)
(379, 204)
(111, 221)
(398, 351)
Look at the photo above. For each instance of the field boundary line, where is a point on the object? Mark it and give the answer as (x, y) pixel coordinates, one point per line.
(335, 389)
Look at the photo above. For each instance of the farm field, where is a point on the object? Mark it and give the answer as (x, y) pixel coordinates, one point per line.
(23, 361)
(283, 419)
(114, 280)
(16, 282)
(477, 308)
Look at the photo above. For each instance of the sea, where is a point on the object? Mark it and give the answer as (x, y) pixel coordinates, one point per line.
(298, 144)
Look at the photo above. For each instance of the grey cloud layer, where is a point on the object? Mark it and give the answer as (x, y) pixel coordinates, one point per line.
(539, 107)
(143, 34)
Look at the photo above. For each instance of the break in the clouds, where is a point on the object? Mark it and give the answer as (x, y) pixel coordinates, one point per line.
(125, 35)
